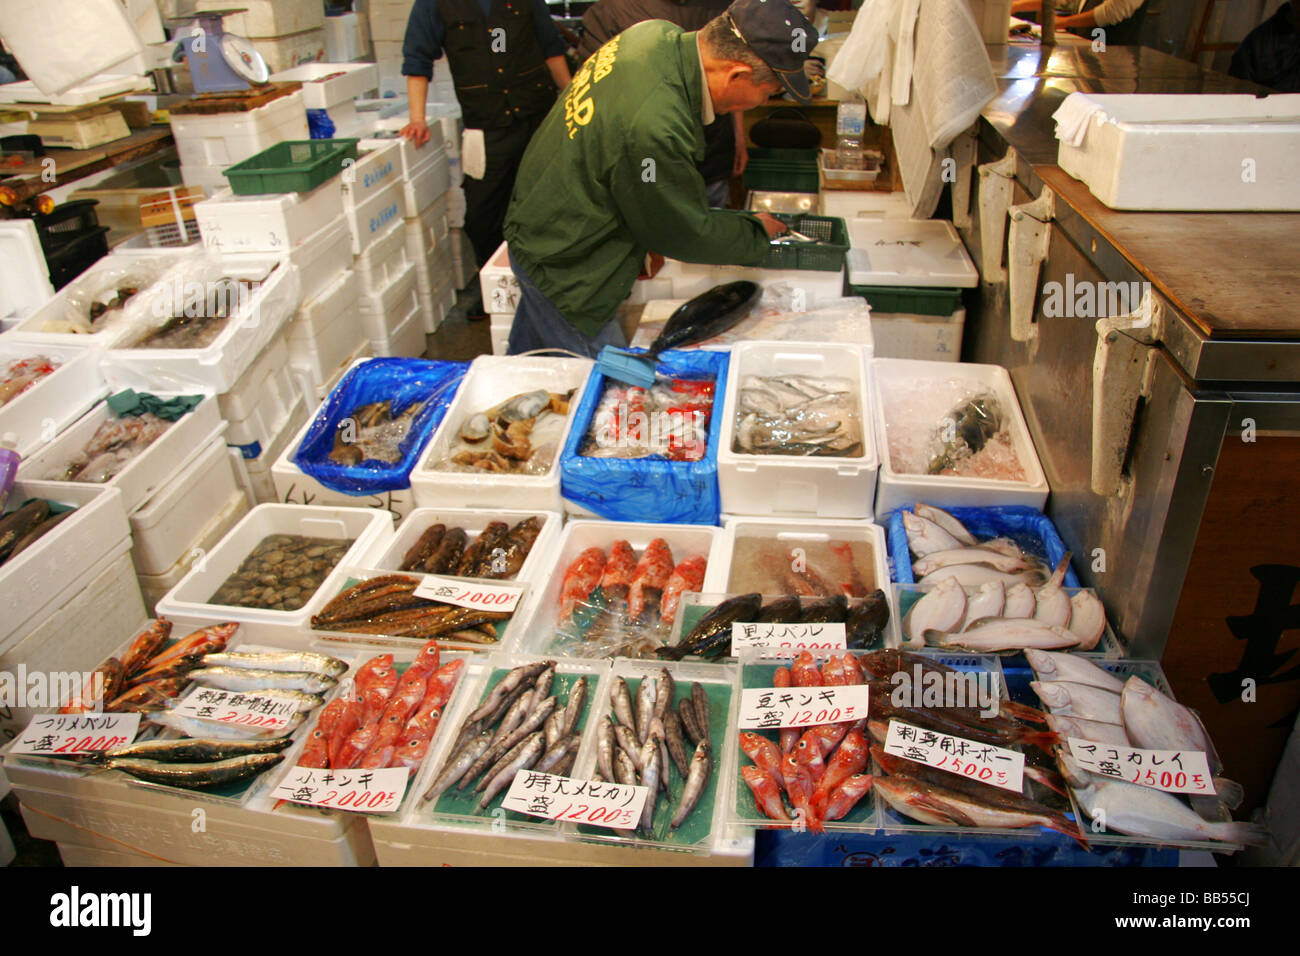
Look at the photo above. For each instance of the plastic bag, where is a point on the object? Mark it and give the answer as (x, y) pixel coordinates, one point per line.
(1028, 527)
(401, 381)
(101, 298)
(648, 489)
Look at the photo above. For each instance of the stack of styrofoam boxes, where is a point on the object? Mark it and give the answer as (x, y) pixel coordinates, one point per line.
(373, 204)
(285, 32)
(387, 30)
(333, 88)
(210, 142)
(27, 286)
(500, 290)
(67, 599)
(343, 38)
(425, 180)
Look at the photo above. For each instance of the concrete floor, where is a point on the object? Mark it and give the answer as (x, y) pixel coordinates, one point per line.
(458, 339)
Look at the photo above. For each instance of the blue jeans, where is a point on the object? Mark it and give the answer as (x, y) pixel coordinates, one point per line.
(540, 325)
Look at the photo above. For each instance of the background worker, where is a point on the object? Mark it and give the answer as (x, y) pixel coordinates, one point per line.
(725, 154)
(507, 62)
(1121, 19)
(612, 173)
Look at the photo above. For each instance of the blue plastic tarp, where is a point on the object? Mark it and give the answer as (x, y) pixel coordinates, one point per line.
(648, 489)
(1028, 527)
(399, 380)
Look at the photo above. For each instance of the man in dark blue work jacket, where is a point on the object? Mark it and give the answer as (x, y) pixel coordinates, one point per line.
(507, 63)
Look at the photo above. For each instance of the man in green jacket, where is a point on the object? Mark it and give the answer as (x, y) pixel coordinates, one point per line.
(612, 174)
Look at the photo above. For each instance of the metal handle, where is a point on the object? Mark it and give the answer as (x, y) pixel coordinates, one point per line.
(1122, 366)
(996, 180)
(1027, 243)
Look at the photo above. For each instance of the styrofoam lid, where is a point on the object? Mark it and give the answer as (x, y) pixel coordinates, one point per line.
(908, 252)
(27, 281)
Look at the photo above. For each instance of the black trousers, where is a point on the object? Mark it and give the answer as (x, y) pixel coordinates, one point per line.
(487, 199)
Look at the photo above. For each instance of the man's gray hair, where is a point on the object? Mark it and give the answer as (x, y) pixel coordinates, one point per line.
(722, 41)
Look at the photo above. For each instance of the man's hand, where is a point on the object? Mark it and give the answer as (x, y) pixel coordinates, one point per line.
(417, 131)
(773, 225)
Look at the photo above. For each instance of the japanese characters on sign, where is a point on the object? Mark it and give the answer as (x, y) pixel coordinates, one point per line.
(767, 708)
(476, 595)
(782, 639)
(232, 707)
(602, 804)
(370, 791)
(64, 735)
(966, 758)
(1177, 771)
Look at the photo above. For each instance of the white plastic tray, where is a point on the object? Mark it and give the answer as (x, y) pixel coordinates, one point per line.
(831, 487)
(896, 489)
(37, 415)
(187, 603)
(326, 84)
(490, 381)
(149, 470)
(906, 252)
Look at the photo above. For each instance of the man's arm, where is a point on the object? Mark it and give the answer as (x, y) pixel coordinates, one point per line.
(421, 45)
(559, 68)
(552, 44)
(417, 94)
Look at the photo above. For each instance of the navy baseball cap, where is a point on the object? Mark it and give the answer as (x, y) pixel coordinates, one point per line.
(780, 36)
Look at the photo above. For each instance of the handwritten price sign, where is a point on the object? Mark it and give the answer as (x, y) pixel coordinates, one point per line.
(246, 710)
(957, 755)
(613, 805)
(476, 595)
(766, 708)
(1175, 771)
(783, 639)
(66, 735)
(368, 791)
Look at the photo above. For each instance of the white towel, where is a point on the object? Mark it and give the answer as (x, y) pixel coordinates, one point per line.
(1074, 116)
(473, 153)
(903, 32)
(952, 81)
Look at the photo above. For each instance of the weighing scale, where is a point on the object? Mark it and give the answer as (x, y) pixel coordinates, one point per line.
(219, 62)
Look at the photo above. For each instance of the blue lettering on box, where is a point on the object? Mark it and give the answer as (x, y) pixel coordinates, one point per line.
(373, 177)
(382, 219)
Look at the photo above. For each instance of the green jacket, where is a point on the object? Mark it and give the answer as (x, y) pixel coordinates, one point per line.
(611, 174)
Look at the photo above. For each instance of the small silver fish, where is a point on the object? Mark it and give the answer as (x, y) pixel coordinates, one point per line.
(286, 661)
(696, 780)
(250, 679)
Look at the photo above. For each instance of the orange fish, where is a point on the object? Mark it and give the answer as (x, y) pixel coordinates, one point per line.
(804, 671)
(441, 683)
(808, 753)
(620, 568)
(799, 785)
(145, 646)
(356, 746)
(766, 794)
(652, 574)
(105, 684)
(407, 697)
(851, 758)
(416, 739)
(380, 682)
(833, 673)
(207, 640)
(789, 735)
(349, 722)
(317, 751)
(830, 735)
(764, 753)
(853, 674)
(580, 579)
(846, 796)
(427, 660)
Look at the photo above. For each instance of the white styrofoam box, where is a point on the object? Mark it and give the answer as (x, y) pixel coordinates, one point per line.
(933, 337)
(151, 469)
(683, 540)
(139, 269)
(373, 170)
(348, 123)
(343, 39)
(490, 381)
(276, 222)
(456, 199)
(325, 85)
(166, 525)
(55, 401)
(689, 279)
(408, 339)
(500, 334)
(414, 158)
(267, 18)
(831, 487)
(57, 563)
(426, 234)
(262, 417)
(384, 261)
(864, 204)
(993, 18)
(312, 393)
(895, 489)
(426, 184)
(434, 277)
(909, 252)
(75, 635)
(283, 52)
(211, 179)
(383, 312)
(27, 281)
(218, 366)
(535, 569)
(370, 218)
(293, 486)
(321, 257)
(1133, 142)
(254, 474)
(435, 306)
(497, 283)
(726, 578)
(188, 602)
(154, 586)
(219, 139)
(325, 331)
(113, 819)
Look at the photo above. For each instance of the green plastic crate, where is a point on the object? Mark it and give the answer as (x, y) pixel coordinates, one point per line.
(822, 257)
(782, 170)
(294, 166)
(913, 300)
